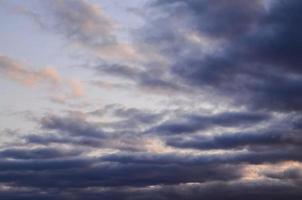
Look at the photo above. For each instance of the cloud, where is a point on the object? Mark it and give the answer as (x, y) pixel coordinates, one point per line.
(123, 132)
(19, 72)
(144, 78)
(194, 123)
(272, 139)
(85, 25)
(238, 51)
(35, 153)
(23, 74)
(73, 126)
(67, 159)
(112, 171)
(82, 21)
(218, 18)
(77, 87)
(243, 157)
(247, 57)
(215, 191)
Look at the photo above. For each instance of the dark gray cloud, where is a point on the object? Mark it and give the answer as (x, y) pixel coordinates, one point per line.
(289, 174)
(123, 133)
(70, 130)
(36, 153)
(145, 78)
(63, 139)
(89, 172)
(117, 171)
(256, 60)
(193, 123)
(215, 191)
(219, 18)
(67, 175)
(129, 117)
(127, 168)
(273, 139)
(247, 157)
(72, 125)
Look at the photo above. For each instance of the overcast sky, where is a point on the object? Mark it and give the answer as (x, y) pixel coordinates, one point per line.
(150, 99)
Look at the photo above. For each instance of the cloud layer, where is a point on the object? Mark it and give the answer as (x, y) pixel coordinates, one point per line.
(212, 107)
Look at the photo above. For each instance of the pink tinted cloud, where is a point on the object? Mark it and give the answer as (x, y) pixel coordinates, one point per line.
(17, 71)
(67, 88)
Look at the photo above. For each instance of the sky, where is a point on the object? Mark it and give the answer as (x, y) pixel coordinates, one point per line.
(150, 99)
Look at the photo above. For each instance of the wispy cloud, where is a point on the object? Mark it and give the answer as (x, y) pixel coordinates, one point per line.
(17, 71)
(23, 74)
